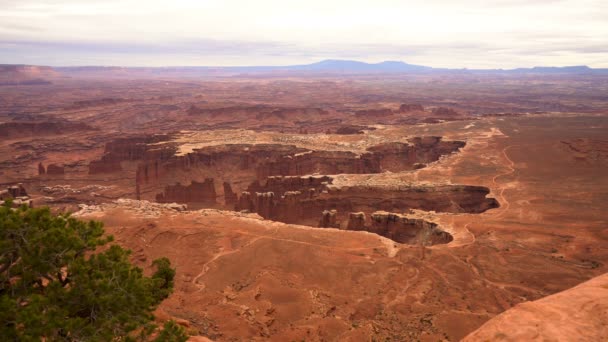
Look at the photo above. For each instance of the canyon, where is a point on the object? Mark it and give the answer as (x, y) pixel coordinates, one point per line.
(293, 184)
(329, 207)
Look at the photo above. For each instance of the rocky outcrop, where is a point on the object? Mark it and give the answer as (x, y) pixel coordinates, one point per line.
(356, 221)
(410, 107)
(396, 156)
(259, 202)
(17, 194)
(329, 219)
(576, 314)
(17, 191)
(129, 149)
(264, 203)
(245, 202)
(230, 198)
(392, 157)
(404, 229)
(239, 163)
(51, 170)
(194, 193)
(55, 170)
(286, 208)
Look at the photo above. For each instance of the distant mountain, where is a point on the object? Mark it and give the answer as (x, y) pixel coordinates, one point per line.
(356, 66)
(577, 69)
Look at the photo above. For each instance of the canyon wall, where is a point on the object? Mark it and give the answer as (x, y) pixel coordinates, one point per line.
(240, 165)
(128, 149)
(292, 184)
(302, 200)
(194, 193)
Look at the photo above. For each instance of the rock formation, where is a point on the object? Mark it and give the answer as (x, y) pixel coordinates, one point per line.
(404, 229)
(301, 200)
(264, 203)
(356, 221)
(158, 166)
(576, 314)
(316, 194)
(17, 190)
(194, 193)
(230, 198)
(245, 202)
(329, 219)
(129, 149)
(278, 189)
(17, 194)
(54, 169)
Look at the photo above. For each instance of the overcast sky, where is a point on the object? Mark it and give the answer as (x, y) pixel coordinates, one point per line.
(439, 33)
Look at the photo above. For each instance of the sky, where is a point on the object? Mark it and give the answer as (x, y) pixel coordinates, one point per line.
(437, 33)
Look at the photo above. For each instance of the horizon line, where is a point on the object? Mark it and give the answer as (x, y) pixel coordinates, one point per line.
(297, 65)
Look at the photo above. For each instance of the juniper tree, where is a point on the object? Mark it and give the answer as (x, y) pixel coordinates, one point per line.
(55, 284)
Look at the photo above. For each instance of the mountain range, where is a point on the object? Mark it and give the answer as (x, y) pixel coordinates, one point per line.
(325, 67)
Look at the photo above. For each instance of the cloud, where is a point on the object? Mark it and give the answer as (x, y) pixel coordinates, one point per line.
(468, 33)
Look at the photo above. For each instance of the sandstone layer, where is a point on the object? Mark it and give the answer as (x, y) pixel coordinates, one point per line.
(576, 314)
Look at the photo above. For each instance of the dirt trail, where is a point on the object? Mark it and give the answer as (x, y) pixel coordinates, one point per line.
(503, 200)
